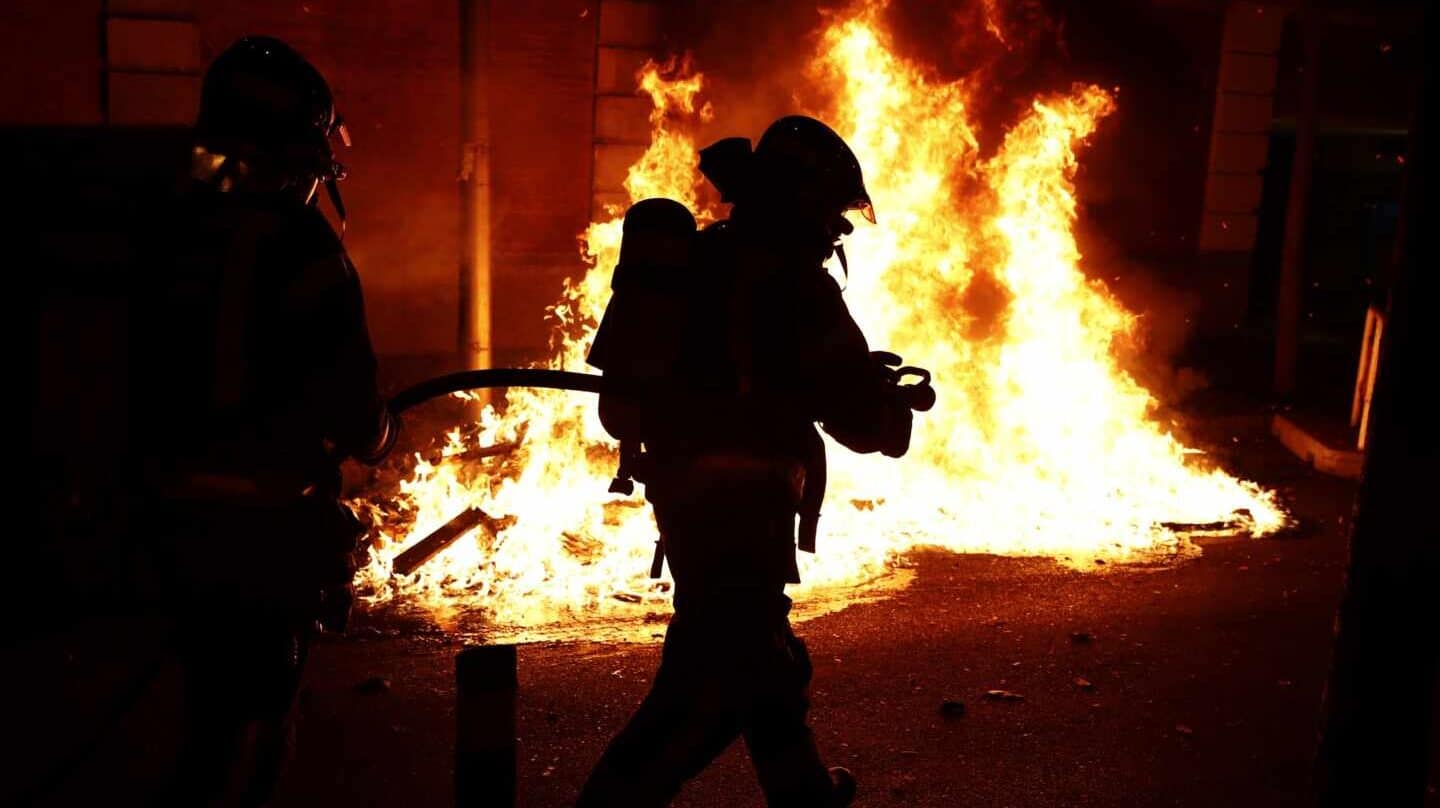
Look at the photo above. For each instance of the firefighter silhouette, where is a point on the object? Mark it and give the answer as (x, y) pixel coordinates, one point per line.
(743, 343)
(256, 379)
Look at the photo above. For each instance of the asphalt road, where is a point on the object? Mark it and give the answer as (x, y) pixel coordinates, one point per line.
(1199, 685)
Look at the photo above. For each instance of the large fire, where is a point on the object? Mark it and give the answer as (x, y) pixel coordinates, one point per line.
(1040, 443)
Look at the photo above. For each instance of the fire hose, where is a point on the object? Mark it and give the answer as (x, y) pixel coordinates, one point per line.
(918, 396)
(498, 377)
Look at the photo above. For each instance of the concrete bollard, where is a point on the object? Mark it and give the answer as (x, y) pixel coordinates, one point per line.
(485, 683)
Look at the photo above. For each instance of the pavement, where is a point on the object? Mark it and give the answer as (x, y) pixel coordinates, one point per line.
(1196, 683)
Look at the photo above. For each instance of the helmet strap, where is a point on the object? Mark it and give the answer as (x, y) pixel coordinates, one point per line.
(332, 189)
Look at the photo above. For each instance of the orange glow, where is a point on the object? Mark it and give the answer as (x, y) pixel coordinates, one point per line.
(1040, 443)
(992, 24)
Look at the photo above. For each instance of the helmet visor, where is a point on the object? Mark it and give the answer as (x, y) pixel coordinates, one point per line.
(338, 129)
(866, 209)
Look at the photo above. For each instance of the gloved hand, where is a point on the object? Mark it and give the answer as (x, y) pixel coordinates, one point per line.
(918, 396)
(329, 554)
(333, 613)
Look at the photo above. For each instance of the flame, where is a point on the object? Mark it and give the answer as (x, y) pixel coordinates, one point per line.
(991, 10)
(1040, 444)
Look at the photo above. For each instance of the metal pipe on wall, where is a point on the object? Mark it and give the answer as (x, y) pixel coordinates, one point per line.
(475, 345)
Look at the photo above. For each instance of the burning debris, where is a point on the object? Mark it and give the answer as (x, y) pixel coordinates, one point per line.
(1040, 445)
(446, 535)
(1003, 695)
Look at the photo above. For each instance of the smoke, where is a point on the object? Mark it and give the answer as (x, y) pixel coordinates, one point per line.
(1166, 315)
(753, 54)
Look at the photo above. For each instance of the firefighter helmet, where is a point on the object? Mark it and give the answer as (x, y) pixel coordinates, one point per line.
(264, 106)
(808, 160)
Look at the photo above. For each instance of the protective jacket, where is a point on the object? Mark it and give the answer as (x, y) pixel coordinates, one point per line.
(745, 343)
(256, 378)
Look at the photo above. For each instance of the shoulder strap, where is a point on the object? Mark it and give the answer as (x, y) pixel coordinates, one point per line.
(813, 495)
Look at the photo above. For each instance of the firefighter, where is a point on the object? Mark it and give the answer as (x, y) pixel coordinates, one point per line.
(743, 343)
(256, 379)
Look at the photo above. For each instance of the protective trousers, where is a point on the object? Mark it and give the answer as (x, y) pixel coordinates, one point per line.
(731, 667)
(241, 674)
(244, 582)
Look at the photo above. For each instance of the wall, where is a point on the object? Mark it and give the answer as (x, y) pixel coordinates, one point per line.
(394, 66)
(541, 124)
(50, 63)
